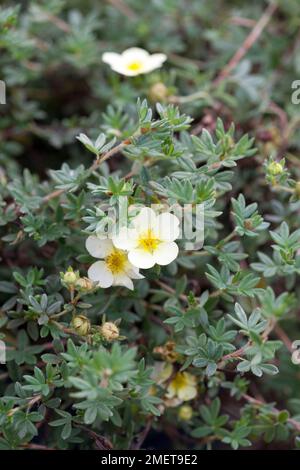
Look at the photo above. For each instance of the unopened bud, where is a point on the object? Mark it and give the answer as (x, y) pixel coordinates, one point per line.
(185, 412)
(248, 224)
(158, 92)
(81, 325)
(84, 284)
(110, 331)
(69, 277)
(275, 168)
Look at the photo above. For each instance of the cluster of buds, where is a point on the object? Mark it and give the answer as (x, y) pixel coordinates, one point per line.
(71, 280)
(275, 168)
(109, 331)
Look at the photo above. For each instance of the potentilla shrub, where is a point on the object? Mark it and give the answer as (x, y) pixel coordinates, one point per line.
(116, 333)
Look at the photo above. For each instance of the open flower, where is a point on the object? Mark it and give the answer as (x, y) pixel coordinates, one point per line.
(133, 61)
(183, 386)
(114, 269)
(151, 240)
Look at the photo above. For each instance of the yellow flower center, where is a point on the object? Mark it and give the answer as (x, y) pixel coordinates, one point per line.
(116, 261)
(148, 241)
(134, 66)
(180, 381)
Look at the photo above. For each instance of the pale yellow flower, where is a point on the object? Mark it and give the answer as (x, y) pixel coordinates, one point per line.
(183, 386)
(134, 61)
(114, 269)
(151, 240)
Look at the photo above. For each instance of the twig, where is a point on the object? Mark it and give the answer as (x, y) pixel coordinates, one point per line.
(59, 23)
(283, 337)
(32, 401)
(93, 167)
(101, 442)
(239, 21)
(142, 436)
(169, 289)
(248, 43)
(254, 401)
(123, 8)
(37, 447)
(160, 323)
(53, 195)
(189, 98)
(237, 353)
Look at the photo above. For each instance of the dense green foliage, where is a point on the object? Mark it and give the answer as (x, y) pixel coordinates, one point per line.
(93, 368)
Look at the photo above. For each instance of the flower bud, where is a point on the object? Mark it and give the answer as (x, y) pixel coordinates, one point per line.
(110, 331)
(83, 284)
(248, 224)
(158, 92)
(70, 277)
(81, 325)
(185, 412)
(275, 168)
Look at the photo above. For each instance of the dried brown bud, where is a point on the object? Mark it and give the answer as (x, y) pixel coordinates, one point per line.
(84, 284)
(110, 331)
(167, 351)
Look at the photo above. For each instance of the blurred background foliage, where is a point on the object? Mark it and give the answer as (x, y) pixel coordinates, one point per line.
(57, 84)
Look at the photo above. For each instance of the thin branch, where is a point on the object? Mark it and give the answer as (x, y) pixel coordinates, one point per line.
(58, 22)
(142, 436)
(248, 43)
(283, 337)
(37, 447)
(170, 290)
(101, 442)
(98, 161)
(254, 401)
(123, 8)
(236, 354)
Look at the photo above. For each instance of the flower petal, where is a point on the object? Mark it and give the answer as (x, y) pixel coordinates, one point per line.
(141, 258)
(187, 392)
(98, 248)
(133, 271)
(99, 272)
(123, 280)
(126, 239)
(168, 227)
(165, 253)
(145, 219)
(154, 61)
(135, 54)
(111, 58)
